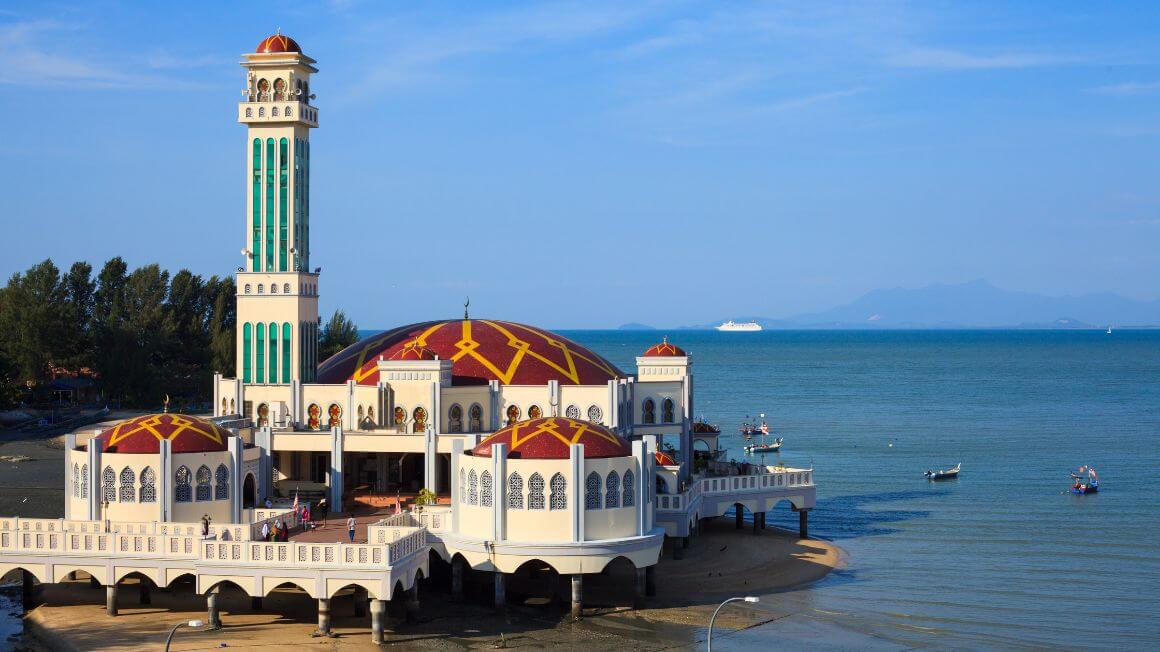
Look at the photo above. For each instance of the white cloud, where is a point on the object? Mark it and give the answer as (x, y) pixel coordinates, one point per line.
(940, 59)
(1127, 88)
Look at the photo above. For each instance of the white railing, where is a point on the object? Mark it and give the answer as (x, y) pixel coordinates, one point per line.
(230, 531)
(768, 478)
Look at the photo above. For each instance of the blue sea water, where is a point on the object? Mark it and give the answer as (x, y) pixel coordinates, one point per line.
(1001, 557)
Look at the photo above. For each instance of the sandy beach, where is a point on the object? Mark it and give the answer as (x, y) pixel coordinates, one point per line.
(721, 562)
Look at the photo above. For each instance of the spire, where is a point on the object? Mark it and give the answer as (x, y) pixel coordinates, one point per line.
(466, 303)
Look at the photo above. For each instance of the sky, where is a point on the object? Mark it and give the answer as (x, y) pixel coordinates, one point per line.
(587, 164)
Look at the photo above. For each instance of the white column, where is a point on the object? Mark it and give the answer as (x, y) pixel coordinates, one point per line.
(295, 403)
(217, 394)
(94, 479)
(429, 456)
(499, 492)
(613, 406)
(348, 418)
(235, 468)
(165, 479)
(381, 405)
(640, 469)
(239, 396)
(554, 397)
(456, 456)
(650, 447)
(630, 418)
(336, 471)
(70, 443)
(493, 412)
(576, 504)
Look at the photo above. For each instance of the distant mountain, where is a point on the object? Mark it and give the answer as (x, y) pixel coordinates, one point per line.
(633, 326)
(976, 304)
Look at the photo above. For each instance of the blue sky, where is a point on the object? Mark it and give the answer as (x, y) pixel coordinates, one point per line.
(587, 164)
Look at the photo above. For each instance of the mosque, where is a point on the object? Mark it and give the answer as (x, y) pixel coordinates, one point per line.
(539, 452)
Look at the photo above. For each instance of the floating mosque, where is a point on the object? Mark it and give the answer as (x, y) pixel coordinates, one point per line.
(514, 447)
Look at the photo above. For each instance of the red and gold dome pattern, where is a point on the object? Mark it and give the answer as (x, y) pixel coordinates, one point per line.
(277, 43)
(144, 434)
(549, 439)
(664, 350)
(664, 459)
(480, 350)
(702, 428)
(414, 352)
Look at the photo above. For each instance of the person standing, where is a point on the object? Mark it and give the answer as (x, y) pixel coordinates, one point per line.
(350, 526)
(265, 530)
(306, 524)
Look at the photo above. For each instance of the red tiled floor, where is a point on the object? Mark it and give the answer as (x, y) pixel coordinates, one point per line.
(333, 529)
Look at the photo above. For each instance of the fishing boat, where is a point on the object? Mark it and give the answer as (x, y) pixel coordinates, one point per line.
(1086, 481)
(943, 474)
(764, 447)
(751, 430)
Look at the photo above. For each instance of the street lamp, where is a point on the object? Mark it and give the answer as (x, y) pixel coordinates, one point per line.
(192, 623)
(748, 598)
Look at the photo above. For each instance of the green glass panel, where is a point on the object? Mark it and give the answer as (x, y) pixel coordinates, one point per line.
(270, 204)
(246, 335)
(306, 205)
(256, 240)
(286, 352)
(260, 366)
(283, 207)
(273, 352)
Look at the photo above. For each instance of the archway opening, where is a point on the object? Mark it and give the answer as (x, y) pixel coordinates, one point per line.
(249, 492)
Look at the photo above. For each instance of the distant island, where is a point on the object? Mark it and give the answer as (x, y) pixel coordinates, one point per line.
(633, 326)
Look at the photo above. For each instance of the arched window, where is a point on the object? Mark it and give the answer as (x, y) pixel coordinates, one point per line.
(261, 111)
(109, 482)
(486, 489)
(667, 411)
(592, 491)
(472, 488)
(420, 416)
(84, 481)
(371, 415)
(128, 485)
(263, 414)
(182, 492)
(260, 350)
(274, 112)
(629, 489)
(462, 486)
(249, 288)
(360, 414)
(559, 497)
(261, 289)
(263, 91)
(536, 491)
(513, 414)
(273, 351)
(334, 414)
(279, 90)
(225, 407)
(595, 414)
(249, 112)
(221, 490)
(314, 417)
(285, 288)
(455, 419)
(648, 411)
(612, 490)
(476, 418)
(247, 343)
(400, 415)
(273, 288)
(572, 412)
(515, 498)
(203, 486)
(76, 480)
(535, 412)
(148, 485)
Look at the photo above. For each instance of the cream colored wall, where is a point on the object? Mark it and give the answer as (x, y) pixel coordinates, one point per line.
(583, 397)
(382, 443)
(616, 522)
(474, 521)
(301, 441)
(536, 524)
(218, 510)
(524, 397)
(658, 392)
(136, 510)
(465, 397)
(410, 394)
(78, 507)
(323, 396)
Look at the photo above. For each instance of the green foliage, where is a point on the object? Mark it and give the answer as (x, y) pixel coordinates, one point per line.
(144, 333)
(426, 497)
(338, 334)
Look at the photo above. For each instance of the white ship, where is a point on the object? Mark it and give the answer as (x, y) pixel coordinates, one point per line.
(744, 326)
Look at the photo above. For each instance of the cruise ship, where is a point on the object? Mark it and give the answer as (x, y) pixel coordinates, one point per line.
(744, 326)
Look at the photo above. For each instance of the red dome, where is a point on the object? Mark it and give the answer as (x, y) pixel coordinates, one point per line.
(664, 350)
(664, 459)
(549, 439)
(480, 350)
(414, 352)
(144, 434)
(702, 428)
(277, 43)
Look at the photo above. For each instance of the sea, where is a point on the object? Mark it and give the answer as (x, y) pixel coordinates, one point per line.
(1002, 557)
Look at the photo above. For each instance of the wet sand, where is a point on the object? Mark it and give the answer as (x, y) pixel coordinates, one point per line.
(721, 562)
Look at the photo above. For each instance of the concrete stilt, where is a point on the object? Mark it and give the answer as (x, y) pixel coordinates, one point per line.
(763, 515)
(256, 604)
(500, 591)
(577, 596)
(111, 600)
(804, 523)
(650, 581)
(93, 582)
(143, 595)
(457, 579)
(27, 590)
(378, 617)
(413, 602)
(739, 516)
(678, 548)
(641, 584)
(323, 617)
(756, 522)
(213, 619)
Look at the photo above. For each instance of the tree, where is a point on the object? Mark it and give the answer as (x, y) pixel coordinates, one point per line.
(223, 323)
(34, 322)
(338, 334)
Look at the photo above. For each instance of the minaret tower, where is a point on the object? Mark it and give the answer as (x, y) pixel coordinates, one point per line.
(277, 290)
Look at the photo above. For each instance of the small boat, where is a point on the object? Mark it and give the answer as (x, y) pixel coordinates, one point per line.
(1086, 481)
(943, 474)
(764, 447)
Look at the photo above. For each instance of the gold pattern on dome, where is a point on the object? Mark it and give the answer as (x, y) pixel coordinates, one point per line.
(529, 430)
(151, 424)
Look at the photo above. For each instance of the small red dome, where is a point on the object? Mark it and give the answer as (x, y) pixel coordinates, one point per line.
(664, 350)
(277, 43)
(549, 439)
(414, 352)
(664, 459)
(144, 434)
(702, 428)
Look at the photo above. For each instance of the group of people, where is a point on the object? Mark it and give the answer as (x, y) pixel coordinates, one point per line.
(279, 533)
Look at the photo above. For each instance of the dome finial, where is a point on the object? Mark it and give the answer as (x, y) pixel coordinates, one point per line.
(665, 339)
(466, 303)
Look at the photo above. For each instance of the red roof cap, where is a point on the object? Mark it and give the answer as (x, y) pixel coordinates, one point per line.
(414, 352)
(549, 439)
(664, 350)
(144, 434)
(277, 43)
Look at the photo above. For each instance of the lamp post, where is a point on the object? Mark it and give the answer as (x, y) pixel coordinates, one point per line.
(192, 623)
(748, 598)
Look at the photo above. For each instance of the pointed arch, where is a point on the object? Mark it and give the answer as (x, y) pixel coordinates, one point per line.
(592, 491)
(203, 483)
(128, 493)
(221, 490)
(536, 491)
(559, 498)
(629, 494)
(148, 485)
(612, 490)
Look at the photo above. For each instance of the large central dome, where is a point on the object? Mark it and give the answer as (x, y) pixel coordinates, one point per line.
(480, 350)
